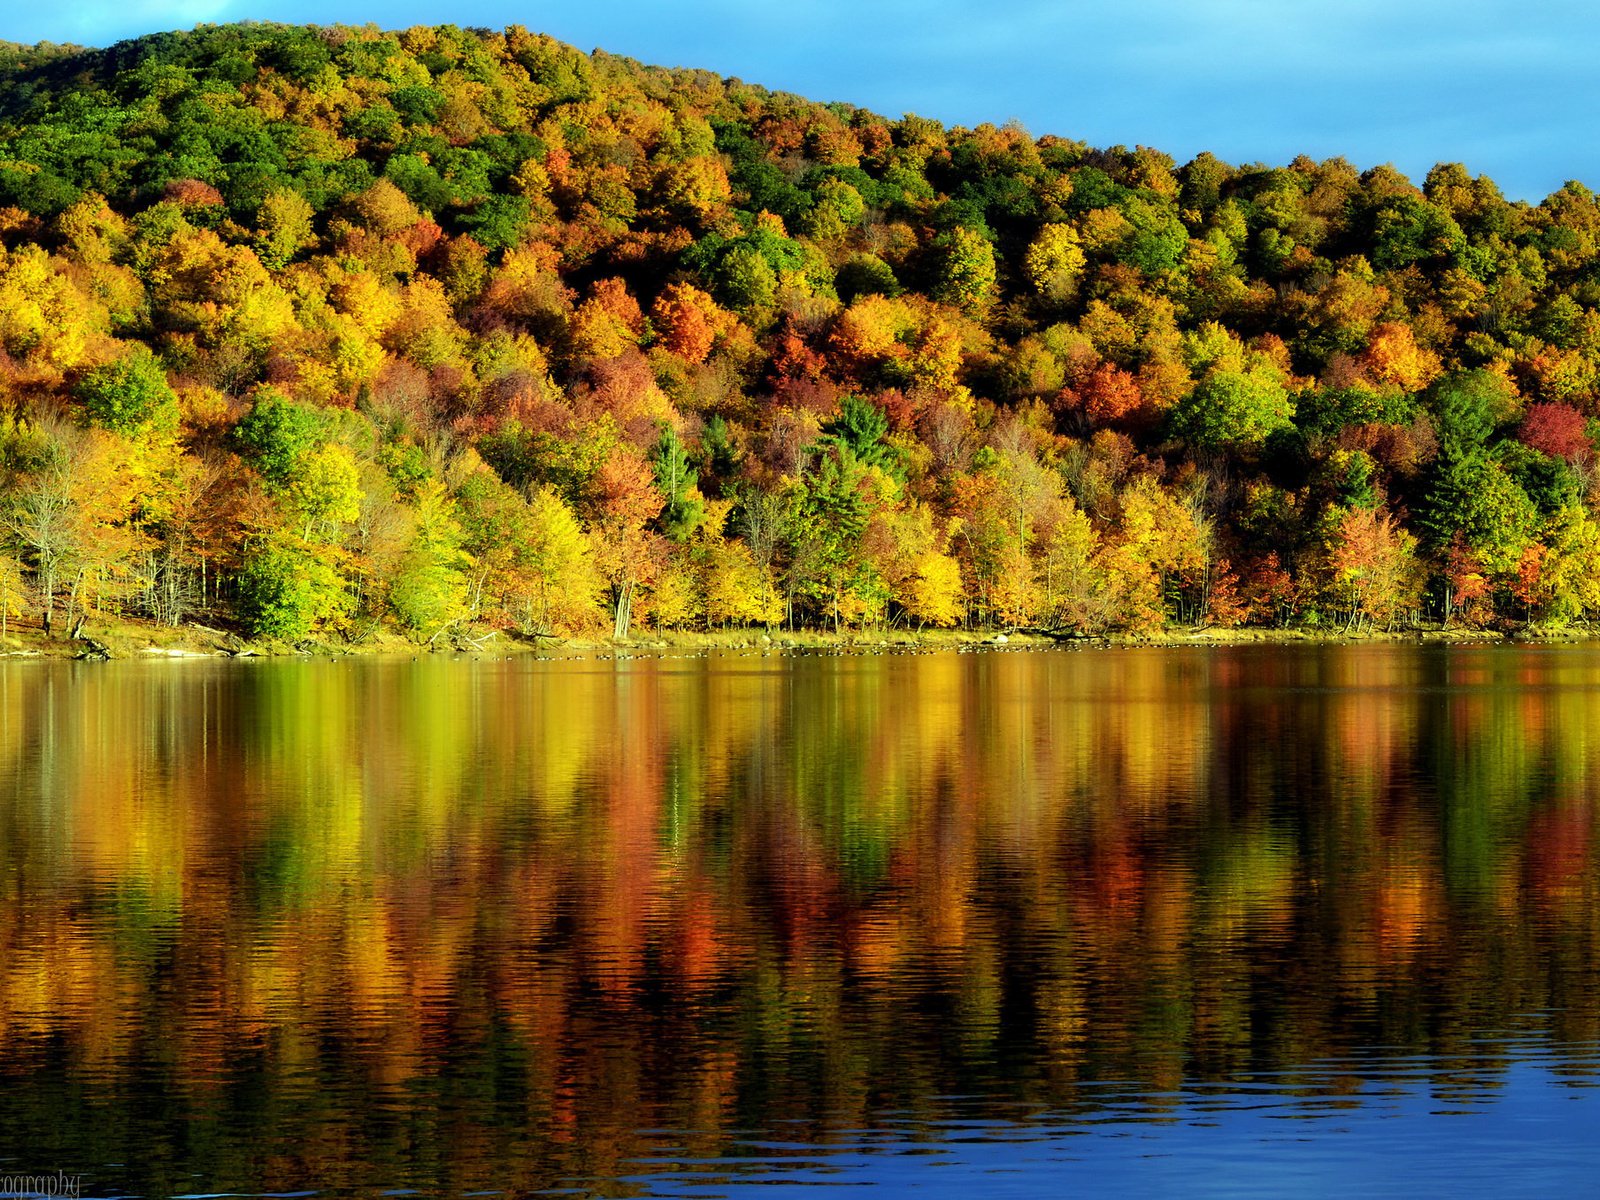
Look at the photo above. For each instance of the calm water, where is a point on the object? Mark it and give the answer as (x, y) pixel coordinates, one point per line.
(1190, 922)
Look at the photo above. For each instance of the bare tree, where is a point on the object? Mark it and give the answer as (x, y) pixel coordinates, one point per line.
(40, 520)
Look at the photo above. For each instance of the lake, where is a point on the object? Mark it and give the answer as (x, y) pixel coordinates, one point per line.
(1197, 921)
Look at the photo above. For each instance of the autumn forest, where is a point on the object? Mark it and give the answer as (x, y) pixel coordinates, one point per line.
(317, 333)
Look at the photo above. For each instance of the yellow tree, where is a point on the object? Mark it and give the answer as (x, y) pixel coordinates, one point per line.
(221, 293)
(429, 593)
(113, 545)
(907, 551)
(73, 512)
(565, 580)
(1076, 592)
(325, 492)
(931, 594)
(12, 589)
(609, 323)
(1054, 261)
(1566, 586)
(1159, 541)
(998, 577)
(45, 322)
(283, 227)
(738, 590)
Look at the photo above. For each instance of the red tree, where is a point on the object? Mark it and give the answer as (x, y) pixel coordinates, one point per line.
(1558, 430)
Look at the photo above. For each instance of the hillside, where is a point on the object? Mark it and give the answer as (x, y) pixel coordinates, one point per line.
(322, 331)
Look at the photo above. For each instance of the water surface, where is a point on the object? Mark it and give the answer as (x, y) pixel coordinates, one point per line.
(1185, 921)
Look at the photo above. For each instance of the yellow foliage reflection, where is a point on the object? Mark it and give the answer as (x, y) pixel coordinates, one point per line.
(531, 907)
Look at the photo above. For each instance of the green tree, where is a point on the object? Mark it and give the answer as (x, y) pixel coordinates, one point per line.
(277, 434)
(129, 394)
(288, 589)
(429, 593)
(965, 268)
(1408, 230)
(863, 428)
(828, 520)
(677, 481)
(499, 222)
(283, 228)
(1550, 483)
(325, 489)
(865, 275)
(745, 281)
(837, 211)
(1232, 408)
(1466, 408)
(1158, 239)
(1470, 493)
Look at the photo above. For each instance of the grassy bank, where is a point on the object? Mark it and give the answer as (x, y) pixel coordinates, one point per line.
(125, 639)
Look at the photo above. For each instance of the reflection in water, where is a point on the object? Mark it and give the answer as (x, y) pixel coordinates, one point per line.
(456, 925)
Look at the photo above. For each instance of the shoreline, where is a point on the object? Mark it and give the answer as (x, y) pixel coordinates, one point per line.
(137, 641)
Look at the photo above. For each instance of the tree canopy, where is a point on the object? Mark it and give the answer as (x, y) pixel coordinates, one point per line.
(324, 329)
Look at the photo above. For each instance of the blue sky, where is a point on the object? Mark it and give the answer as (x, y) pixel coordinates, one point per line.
(1508, 89)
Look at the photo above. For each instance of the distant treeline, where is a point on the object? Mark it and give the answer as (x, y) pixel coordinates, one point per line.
(326, 329)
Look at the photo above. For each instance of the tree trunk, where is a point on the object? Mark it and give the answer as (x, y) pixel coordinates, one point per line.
(72, 598)
(47, 580)
(624, 614)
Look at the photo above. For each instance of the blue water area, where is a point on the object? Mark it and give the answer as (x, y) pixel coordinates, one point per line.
(1528, 1129)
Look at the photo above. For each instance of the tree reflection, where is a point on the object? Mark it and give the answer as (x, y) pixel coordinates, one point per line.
(466, 924)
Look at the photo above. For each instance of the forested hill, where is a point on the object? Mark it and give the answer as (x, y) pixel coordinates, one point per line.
(326, 330)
